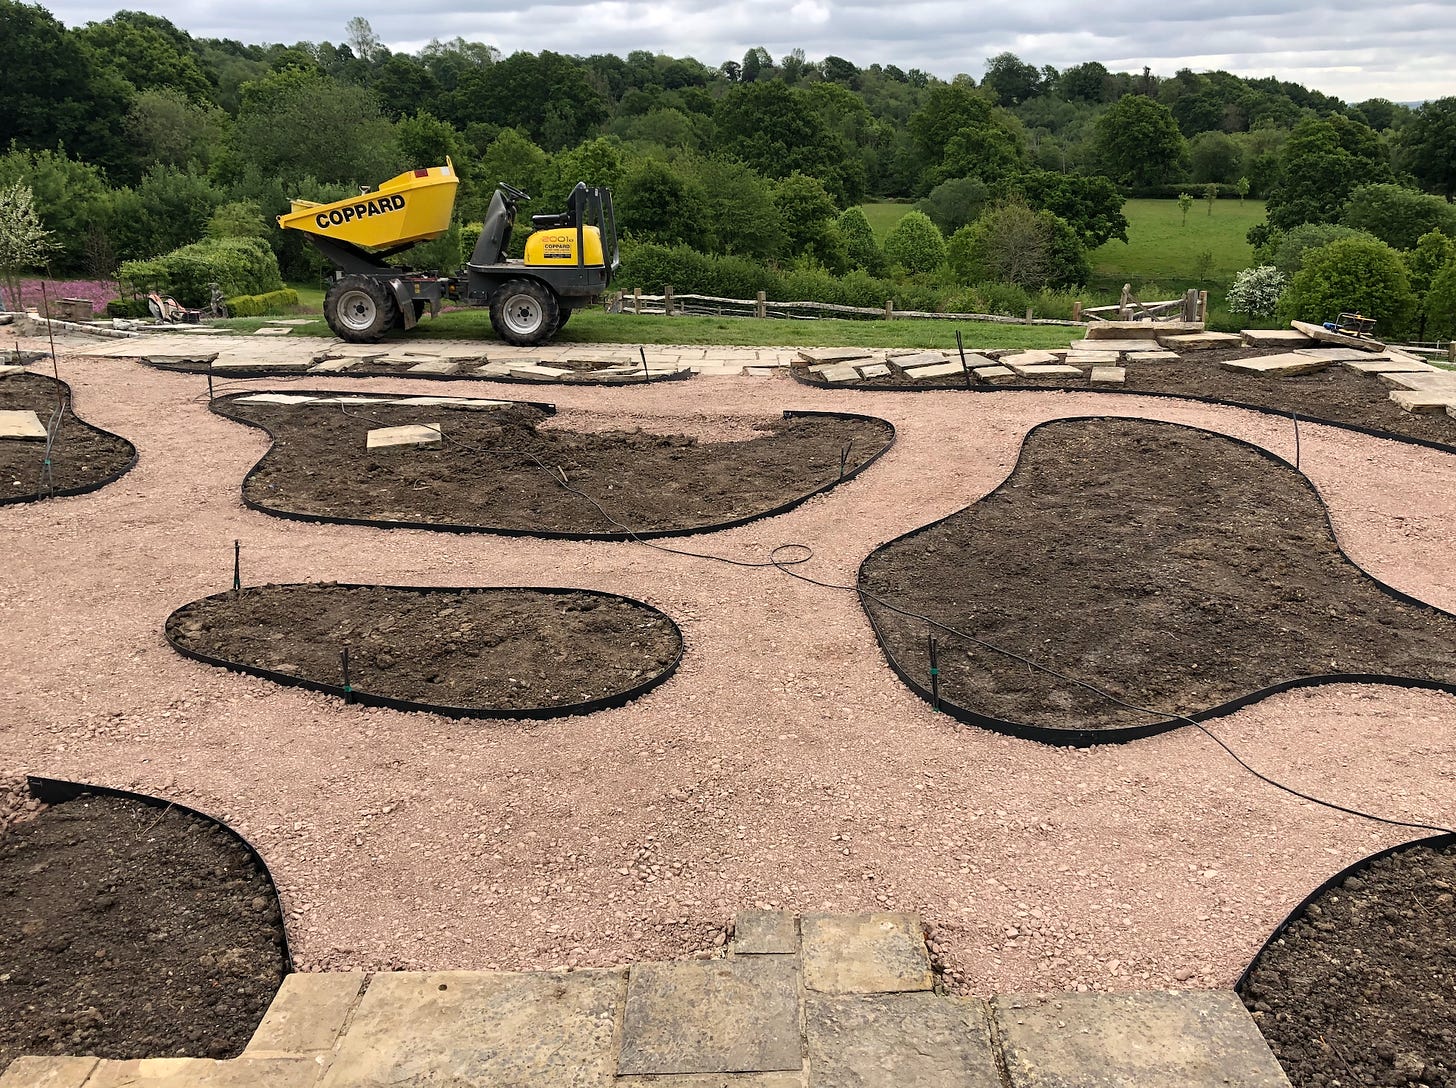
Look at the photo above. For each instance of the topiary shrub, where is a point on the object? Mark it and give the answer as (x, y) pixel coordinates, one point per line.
(1256, 291)
(274, 302)
(241, 266)
(915, 244)
(864, 250)
(1352, 275)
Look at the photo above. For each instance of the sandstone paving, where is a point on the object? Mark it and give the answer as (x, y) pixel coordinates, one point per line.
(909, 1040)
(864, 954)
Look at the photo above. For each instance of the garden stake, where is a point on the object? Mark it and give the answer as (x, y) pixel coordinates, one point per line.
(1295, 416)
(209, 384)
(961, 347)
(844, 457)
(934, 674)
(237, 567)
(646, 374)
(344, 664)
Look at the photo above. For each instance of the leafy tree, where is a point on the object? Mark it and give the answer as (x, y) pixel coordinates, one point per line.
(168, 208)
(548, 96)
(859, 237)
(1185, 205)
(961, 134)
(658, 204)
(52, 94)
(401, 82)
(742, 215)
(1090, 204)
(1013, 244)
(915, 244)
(756, 64)
(1138, 142)
(167, 128)
(1011, 80)
(596, 162)
(239, 219)
(1256, 291)
(1214, 156)
(70, 195)
(363, 42)
(297, 123)
(810, 221)
(1210, 195)
(1432, 255)
(1288, 250)
(1084, 82)
(1427, 146)
(145, 55)
(838, 70)
(771, 127)
(1396, 215)
(1242, 185)
(954, 203)
(24, 241)
(1323, 161)
(1356, 275)
(425, 140)
(1440, 304)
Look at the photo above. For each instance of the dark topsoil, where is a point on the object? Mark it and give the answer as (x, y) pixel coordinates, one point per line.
(583, 369)
(1336, 394)
(131, 931)
(1361, 988)
(82, 456)
(484, 649)
(495, 469)
(1171, 567)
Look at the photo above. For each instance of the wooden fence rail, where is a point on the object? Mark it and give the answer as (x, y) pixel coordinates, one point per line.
(671, 303)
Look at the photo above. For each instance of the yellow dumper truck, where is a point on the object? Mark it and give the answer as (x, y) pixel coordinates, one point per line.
(569, 262)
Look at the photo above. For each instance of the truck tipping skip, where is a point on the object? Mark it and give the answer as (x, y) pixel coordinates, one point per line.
(569, 261)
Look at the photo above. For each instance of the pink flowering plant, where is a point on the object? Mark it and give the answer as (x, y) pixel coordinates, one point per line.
(97, 292)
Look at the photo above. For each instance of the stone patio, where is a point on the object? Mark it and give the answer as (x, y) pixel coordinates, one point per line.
(822, 1001)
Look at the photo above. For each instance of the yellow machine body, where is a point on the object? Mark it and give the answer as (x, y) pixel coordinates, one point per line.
(558, 246)
(413, 207)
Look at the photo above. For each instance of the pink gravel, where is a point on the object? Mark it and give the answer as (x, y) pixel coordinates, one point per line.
(783, 766)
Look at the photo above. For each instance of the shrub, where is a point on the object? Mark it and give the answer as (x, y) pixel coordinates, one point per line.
(864, 250)
(1002, 298)
(1256, 291)
(127, 307)
(1352, 274)
(649, 267)
(241, 266)
(1396, 215)
(1289, 250)
(274, 302)
(1440, 305)
(915, 244)
(1013, 244)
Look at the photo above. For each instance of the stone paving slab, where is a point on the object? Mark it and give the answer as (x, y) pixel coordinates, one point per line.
(1177, 1039)
(206, 1073)
(864, 953)
(1200, 341)
(466, 1029)
(333, 366)
(1338, 355)
(875, 370)
(788, 1079)
(1423, 400)
(408, 436)
(935, 370)
(272, 330)
(1151, 330)
(906, 360)
(1288, 364)
(1140, 344)
(8, 371)
(913, 1040)
(757, 932)
(540, 373)
(834, 355)
(1109, 375)
(1030, 358)
(307, 1014)
(838, 375)
(723, 1016)
(1377, 365)
(1093, 358)
(1276, 338)
(1051, 370)
(1158, 357)
(34, 1072)
(21, 424)
(993, 373)
(1417, 379)
(436, 366)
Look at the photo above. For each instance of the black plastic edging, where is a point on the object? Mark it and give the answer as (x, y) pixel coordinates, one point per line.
(1217, 402)
(81, 489)
(248, 373)
(1083, 738)
(591, 706)
(1435, 842)
(57, 791)
(558, 534)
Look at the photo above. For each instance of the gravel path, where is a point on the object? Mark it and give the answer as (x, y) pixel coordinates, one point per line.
(783, 766)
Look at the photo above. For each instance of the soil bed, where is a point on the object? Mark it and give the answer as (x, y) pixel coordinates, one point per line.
(495, 469)
(489, 650)
(583, 371)
(1361, 987)
(83, 457)
(1336, 394)
(1171, 567)
(131, 931)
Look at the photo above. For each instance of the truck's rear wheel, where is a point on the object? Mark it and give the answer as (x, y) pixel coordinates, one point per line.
(360, 309)
(561, 321)
(524, 312)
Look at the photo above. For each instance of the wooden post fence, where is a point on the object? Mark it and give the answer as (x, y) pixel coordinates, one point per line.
(760, 308)
(667, 299)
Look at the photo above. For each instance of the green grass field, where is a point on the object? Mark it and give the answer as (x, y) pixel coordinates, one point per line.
(1161, 249)
(884, 216)
(597, 327)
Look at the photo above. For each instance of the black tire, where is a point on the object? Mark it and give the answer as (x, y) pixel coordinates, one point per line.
(360, 309)
(561, 321)
(524, 313)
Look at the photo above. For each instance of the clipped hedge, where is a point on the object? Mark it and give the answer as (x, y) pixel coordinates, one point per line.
(274, 302)
(241, 266)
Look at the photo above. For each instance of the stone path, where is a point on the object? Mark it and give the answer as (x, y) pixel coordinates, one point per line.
(822, 1001)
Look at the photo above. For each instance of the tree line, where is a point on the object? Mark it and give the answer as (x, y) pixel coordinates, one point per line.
(136, 137)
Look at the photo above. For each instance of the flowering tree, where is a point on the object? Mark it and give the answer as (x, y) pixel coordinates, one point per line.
(24, 242)
(1256, 291)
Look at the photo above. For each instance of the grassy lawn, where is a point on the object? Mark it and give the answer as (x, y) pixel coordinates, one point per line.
(597, 327)
(883, 217)
(1161, 249)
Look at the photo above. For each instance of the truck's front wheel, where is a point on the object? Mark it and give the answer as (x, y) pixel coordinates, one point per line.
(359, 309)
(524, 312)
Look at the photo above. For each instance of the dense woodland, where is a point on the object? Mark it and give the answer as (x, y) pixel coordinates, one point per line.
(137, 138)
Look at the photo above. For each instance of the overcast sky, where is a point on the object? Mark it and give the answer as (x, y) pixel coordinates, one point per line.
(1354, 50)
